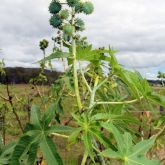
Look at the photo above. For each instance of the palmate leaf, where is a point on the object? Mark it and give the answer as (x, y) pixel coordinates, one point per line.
(127, 152)
(136, 84)
(37, 136)
(87, 54)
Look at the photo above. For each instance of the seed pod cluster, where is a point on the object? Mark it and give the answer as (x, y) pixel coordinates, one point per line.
(85, 7)
(61, 18)
(55, 8)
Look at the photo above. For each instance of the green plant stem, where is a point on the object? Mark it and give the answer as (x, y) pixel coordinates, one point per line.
(84, 158)
(84, 79)
(119, 102)
(13, 108)
(4, 98)
(160, 133)
(61, 45)
(91, 104)
(60, 135)
(76, 86)
(96, 87)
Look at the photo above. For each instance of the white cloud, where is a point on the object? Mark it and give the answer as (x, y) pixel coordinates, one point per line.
(134, 27)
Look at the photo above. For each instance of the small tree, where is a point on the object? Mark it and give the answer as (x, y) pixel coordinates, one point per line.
(162, 77)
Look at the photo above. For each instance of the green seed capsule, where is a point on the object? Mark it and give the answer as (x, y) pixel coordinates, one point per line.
(87, 7)
(78, 7)
(68, 29)
(73, 3)
(64, 14)
(54, 7)
(55, 21)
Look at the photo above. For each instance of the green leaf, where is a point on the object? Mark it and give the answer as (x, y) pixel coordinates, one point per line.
(136, 85)
(127, 152)
(6, 152)
(156, 98)
(111, 154)
(143, 146)
(49, 151)
(35, 116)
(87, 54)
(75, 134)
(140, 161)
(101, 138)
(88, 144)
(49, 114)
(32, 154)
(20, 149)
(55, 55)
(112, 129)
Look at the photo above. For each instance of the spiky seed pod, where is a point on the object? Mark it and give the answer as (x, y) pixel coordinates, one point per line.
(73, 3)
(64, 14)
(79, 24)
(55, 21)
(87, 7)
(43, 44)
(78, 7)
(68, 29)
(54, 7)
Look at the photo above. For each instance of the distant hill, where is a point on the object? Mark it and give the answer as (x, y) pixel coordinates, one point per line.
(155, 82)
(19, 75)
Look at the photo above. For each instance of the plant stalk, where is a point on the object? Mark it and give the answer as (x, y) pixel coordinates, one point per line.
(60, 135)
(76, 86)
(119, 102)
(61, 45)
(84, 158)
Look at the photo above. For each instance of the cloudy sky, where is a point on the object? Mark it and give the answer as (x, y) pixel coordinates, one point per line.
(134, 27)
